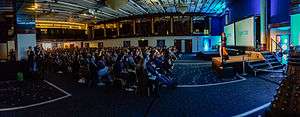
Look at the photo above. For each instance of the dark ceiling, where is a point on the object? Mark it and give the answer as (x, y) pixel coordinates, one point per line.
(100, 10)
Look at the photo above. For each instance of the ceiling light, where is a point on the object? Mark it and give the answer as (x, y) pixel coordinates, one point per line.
(35, 6)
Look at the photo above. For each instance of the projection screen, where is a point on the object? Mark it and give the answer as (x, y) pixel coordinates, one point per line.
(245, 32)
(229, 31)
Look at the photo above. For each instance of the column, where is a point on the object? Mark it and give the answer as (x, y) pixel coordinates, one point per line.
(104, 31)
(227, 18)
(152, 25)
(25, 28)
(209, 27)
(183, 46)
(191, 26)
(172, 23)
(134, 27)
(263, 24)
(118, 29)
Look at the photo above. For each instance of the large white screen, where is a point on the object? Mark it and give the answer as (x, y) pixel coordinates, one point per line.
(295, 29)
(245, 32)
(24, 41)
(229, 31)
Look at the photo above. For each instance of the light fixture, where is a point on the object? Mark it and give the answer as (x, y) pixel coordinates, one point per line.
(35, 6)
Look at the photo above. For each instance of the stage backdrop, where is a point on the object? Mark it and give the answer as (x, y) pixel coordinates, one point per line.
(245, 32)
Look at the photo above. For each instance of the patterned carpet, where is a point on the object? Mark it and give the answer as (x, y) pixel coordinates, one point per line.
(212, 101)
(16, 93)
(196, 74)
(272, 77)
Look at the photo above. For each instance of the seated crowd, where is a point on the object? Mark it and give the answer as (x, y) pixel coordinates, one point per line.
(132, 68)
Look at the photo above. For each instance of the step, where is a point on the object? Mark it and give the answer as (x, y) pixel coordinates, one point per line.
(259, 64)
(266, 52)
(275, 63)
(278, 76)
(272, 59)
(269, 56)
(256, 62)
(262, 67)
(274, 67)
(270, 71)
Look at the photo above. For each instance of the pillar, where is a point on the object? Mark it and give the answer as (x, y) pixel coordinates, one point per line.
(183, 46)
(152, 25)
(191, 26)
(118, 29)
(263, 24)
(172, 23)
(210, 25)
(134, 27)
(25, 28)
(104, 31)
(227, 18)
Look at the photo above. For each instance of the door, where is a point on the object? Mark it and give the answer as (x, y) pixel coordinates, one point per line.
(143, 43)
(126, 44)
(188, 46)
(87, 45)
(72, 46)
(100, 45)
(161, 43)
(177, 44)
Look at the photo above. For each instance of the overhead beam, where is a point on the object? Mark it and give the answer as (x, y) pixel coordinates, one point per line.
(133, 2)
(157, 9)
(134, 9)
(210, 6)
(161, 4)
(197, 5)
(125, 12)
(221, 6)
(203, 5)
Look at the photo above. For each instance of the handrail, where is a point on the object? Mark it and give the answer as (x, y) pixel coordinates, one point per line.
(277, 45)
(276, 54)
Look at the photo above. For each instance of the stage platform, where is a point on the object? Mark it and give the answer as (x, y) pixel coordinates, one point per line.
(236, 62)
(207, 55)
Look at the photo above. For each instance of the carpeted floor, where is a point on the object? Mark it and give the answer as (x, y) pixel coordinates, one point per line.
(272, 77)
(197, 74)
(208, 101)
(17, 93)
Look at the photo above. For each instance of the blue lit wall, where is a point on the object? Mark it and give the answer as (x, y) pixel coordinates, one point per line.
(217, 25)
(240, 9)
(279, 11)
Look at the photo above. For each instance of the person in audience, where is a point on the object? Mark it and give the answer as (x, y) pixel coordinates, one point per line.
(152, 69)
(142, 79)
(133, 65)
(12, 55)
(103, 71)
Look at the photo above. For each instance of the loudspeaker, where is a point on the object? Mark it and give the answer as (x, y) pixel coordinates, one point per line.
(116, 4)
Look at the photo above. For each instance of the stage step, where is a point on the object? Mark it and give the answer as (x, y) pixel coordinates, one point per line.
(271, 64)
